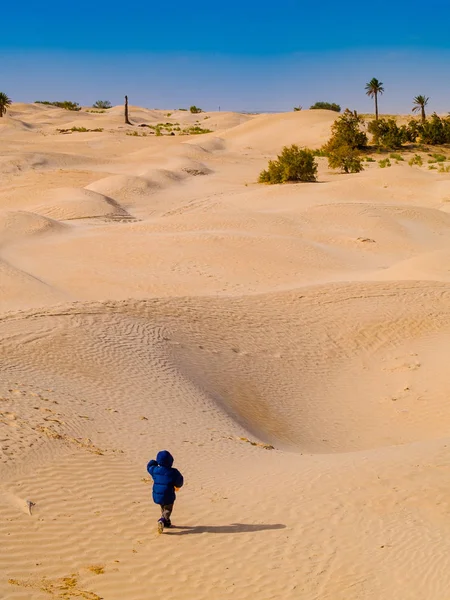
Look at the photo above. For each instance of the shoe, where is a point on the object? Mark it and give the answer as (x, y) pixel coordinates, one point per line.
(161, 524)
(168, 523)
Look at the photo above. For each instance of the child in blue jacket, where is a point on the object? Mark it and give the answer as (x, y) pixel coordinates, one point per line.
(165, 480)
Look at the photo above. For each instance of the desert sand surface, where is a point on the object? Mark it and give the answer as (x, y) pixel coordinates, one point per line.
(288, 344)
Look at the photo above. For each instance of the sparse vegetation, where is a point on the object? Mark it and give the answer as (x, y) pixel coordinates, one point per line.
(259, 444)
(370, 159)
(5, 101)
(384, 163)
(90, 110)
(79, 130)
(66, 104)
(97, 569)
(326, 106)
(195, 130)
(293, 164)
(416, 160)
(62, 588)
(105, 104)
(396, 156)
(195, 110)
(298, 108)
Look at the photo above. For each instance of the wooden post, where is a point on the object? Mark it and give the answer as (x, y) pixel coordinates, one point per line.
(127, 120)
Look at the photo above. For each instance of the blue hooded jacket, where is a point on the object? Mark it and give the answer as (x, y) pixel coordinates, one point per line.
(165, 478)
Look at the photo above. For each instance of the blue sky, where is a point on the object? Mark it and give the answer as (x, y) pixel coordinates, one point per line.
(237, 55)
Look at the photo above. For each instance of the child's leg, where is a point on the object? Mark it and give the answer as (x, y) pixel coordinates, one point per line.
(166, 511)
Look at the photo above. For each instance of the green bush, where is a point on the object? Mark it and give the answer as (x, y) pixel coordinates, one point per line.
(293, 164)
(416, 160)
(196, 130)
(326, 106)
(346, 141)
(347, 159)
(434, 131)
(346, 131)
(387, 133)
(195, 110)
(370, 159)
(320, 152)
(79, 130)
(66, 104)
(396, 156)
(444, 169)
(384, 163)
(440, 158)
(105, 104)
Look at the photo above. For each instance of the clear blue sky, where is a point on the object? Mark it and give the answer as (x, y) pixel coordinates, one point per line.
(244, 55)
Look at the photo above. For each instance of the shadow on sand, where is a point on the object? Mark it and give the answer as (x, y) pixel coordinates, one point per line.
(234, 528)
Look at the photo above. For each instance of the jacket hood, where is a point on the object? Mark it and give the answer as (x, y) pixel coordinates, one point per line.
(164, 458)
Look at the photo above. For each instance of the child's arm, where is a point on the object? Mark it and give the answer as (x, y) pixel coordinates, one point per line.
(151, 465)
(178, 479)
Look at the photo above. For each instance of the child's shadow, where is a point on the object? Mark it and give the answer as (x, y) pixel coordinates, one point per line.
(234, 528)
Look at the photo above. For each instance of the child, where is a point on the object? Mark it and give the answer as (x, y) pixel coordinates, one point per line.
(165, 480)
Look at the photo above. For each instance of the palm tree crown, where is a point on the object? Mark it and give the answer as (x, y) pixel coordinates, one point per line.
(4, 102)
(373, 88)
(419, 104)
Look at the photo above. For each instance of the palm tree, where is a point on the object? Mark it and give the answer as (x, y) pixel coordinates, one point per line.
(420, 103)
(373, 88)
(4, 102)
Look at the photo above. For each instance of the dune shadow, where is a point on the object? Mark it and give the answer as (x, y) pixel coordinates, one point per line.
(233, 528)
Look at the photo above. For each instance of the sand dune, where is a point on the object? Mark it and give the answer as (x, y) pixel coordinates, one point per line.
(269, 133)
(22, 223)
(287, 343)
(78, 203)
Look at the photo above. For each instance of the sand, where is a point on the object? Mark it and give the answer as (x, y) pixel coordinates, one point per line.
(288, 344)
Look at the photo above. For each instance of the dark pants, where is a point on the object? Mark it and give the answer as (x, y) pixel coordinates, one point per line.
(166, 511)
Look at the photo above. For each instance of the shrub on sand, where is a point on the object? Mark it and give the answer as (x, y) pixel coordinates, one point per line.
(384, 163)
(347, 159)
(326, 106)
(416, 160)
(293, 164)
(105, 104)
